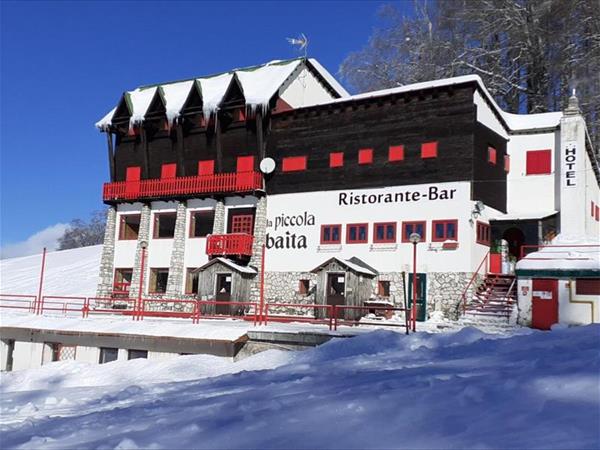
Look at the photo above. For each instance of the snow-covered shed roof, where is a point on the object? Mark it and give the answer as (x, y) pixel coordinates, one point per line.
(229, 263)
(354, 264)
(566, 255)
(258, 84)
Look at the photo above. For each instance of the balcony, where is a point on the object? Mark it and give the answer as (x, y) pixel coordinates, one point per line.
(173, 187)
(234, 244)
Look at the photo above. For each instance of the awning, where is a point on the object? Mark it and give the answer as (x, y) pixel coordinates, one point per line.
(523, 216)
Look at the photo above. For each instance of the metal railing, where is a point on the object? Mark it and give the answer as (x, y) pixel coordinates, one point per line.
(463, 296)
(229, 244)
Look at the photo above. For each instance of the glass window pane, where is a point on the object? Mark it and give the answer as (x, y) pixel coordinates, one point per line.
(352, 233)
(326, 234)
(439, 230)
(379, 232)
(391, 232)
(450, 230)
(419, 229)
(409, 229)
(362, 233)
(335, 233)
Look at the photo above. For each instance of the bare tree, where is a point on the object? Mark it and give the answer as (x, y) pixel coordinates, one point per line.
(83, 234)
(530, 53)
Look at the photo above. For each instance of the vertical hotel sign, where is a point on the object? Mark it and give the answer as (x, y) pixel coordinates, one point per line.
(569, 158)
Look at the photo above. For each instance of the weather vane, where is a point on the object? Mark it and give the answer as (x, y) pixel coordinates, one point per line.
(301, 41)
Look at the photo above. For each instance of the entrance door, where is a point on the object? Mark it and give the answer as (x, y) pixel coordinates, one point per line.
(223, 293)
(421, 295)
(336, 290)
(544, 305)
(516, 239)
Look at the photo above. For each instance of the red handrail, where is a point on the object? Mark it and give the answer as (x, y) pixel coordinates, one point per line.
(464, 293)
(203, 184)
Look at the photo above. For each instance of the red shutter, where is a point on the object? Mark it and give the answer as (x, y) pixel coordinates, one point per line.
(365, 156)
(245, 164)
(539, 162)
(168, 171)
(133, 173)
(206, 167)
(492, 155)
(506, 163)
(429, 150)
(396, 153)
(294, 163)
(336, 159)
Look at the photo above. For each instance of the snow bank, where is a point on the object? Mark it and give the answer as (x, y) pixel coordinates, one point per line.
(378, 390)
(564, 253)
(68, 272)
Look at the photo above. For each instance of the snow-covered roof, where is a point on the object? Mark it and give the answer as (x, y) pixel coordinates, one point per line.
(259, 84)
(229, 263)
(514, 122)
(354, 264)
(564, 254)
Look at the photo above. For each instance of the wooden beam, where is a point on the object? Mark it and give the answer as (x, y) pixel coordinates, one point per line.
(145, 156)
(111, 155)
(218, 143)
(180, 158)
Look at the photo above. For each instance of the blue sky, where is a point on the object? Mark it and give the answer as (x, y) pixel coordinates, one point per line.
(65, 64)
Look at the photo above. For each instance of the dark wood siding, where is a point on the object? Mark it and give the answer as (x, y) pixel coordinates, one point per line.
(489, 180)
(446, 117)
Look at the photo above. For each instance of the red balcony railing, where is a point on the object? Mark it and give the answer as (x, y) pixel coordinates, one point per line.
(205, 184)
(229, 244)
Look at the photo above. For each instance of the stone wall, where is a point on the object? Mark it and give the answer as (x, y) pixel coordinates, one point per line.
(282, 287)
(396, 286)
(219, 222)
(107, 261)
(444, 291)
(260, 236)
(176, 267)
(143, 235)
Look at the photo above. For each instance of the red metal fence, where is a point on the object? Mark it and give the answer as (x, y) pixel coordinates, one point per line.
(229, 244)
(204, 184)
(330, 315)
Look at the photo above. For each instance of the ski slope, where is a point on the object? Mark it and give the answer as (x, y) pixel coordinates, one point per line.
(68, 272)
(379, 390)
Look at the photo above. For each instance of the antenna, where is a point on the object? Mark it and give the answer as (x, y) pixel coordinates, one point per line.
(301, 41)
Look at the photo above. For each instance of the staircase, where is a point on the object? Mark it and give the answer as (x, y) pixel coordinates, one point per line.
(492, 303)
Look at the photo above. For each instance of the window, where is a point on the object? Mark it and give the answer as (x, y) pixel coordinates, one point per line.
(409, 228)
(396, 153)
(383, 288)
(122, 281)
(201, 223)
(133, 173)
(303, 287)
(206, 167)
(593, 208)
(444, 229)
(168, 171)
(539, 162)
(483, 233)
(507, 163)
(365, 156)
(164, 225)
(158, 281)
(241, 222)
(108, 354)
(492, 155)
(129, 227)
(597, 213)
(429, 150)
(357, 233)
(384, 232)
(191, 281)
(245, 164)
(587, 286)
(293, 163)
(137, 354)
(331, 234)
(336, 159)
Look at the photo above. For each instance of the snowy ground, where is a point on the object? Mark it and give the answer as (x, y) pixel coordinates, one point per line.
(381, 389)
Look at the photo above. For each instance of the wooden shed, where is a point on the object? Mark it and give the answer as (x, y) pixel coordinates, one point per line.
(344, 282)
(223, 280)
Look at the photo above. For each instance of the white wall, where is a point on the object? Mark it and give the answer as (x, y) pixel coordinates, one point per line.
(576, 309)
(87, 354)
(27, 355)
(531, 194)
(324, 208)
(486, 116)
(4, 347)
(304, 90)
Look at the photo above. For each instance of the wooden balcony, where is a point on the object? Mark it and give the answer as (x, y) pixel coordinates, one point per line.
(183, 186)
(234, 244)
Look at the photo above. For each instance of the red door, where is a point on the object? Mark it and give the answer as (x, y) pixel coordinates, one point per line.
(132, 181)
(544, 308)
(244, 168)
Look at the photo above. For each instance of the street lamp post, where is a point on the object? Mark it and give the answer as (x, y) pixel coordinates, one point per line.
(415, 238)
(143, 246)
